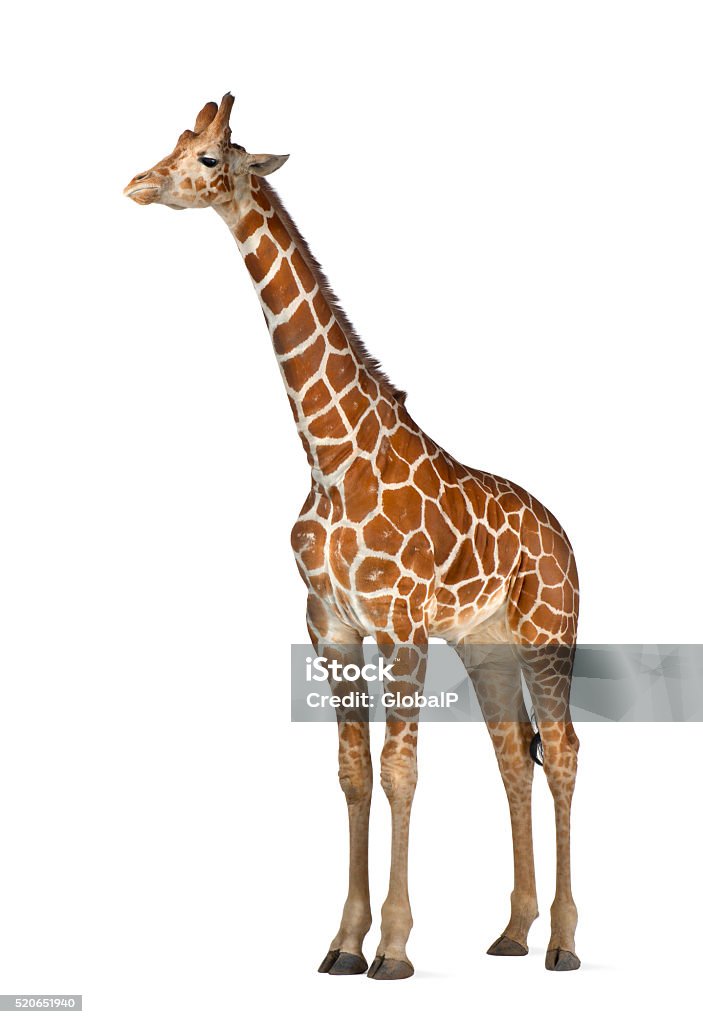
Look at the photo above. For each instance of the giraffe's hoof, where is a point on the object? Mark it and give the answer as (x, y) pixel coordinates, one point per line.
(337, 962)
(507, 947)
(384, 969)
(561, 960)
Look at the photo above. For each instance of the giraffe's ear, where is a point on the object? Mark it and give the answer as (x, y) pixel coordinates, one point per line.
(262, 164)
(205, 117)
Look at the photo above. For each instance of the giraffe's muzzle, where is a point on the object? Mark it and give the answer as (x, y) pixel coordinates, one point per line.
(143, 189)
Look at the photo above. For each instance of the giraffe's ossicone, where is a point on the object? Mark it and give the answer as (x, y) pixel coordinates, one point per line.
(399, 541)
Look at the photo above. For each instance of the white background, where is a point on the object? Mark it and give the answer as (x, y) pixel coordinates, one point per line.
(507, 197)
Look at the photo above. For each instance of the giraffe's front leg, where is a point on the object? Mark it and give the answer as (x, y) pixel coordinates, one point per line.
(355, 777)
(345, 954)
(398, 779)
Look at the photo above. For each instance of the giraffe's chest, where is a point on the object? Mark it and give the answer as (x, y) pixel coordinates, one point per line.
(352, 585)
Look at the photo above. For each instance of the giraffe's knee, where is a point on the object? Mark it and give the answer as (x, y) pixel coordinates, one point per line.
(398, 774)
(398, 780)
(356, 782)
(399, 760)
(355, 775)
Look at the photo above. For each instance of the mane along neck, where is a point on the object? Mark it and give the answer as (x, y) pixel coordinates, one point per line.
(332, 382)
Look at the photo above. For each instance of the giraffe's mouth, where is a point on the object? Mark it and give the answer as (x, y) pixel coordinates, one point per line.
(142, 194)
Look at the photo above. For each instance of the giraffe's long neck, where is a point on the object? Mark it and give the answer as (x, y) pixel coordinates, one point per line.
(337, 394)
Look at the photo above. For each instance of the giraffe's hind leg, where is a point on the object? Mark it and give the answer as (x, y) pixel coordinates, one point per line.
(495, 673)
(542, 617)
(548, 676)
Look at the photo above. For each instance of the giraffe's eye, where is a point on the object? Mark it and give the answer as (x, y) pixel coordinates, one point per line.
(208, 161)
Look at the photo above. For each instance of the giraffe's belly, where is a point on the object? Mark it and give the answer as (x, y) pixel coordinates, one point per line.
(482, 621)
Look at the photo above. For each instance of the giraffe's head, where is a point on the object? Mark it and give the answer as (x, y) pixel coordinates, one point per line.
(205, 168)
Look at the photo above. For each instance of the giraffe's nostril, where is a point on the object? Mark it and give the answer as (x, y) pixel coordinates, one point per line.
(140, 177)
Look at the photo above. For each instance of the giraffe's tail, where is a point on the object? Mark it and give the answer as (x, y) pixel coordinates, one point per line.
(536, 749)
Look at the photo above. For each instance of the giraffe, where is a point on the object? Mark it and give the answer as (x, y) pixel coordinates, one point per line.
(399, 541)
